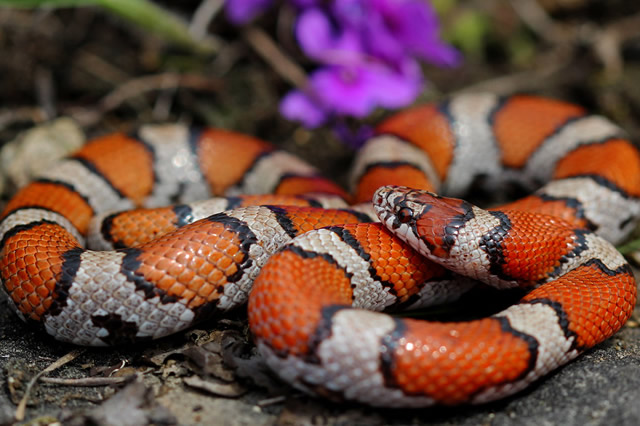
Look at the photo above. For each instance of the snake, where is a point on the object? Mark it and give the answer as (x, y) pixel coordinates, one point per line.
(322, 269)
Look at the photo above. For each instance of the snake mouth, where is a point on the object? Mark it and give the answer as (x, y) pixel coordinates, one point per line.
(397, 210)
(386, 203)
(381, 203)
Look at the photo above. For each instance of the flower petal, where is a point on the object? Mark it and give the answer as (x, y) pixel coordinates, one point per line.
(343, 89)
(314, 32)
(297, 106)
(322, 41)
(419, 32)
(357, 90)
(305, 3)
(242, 11)
(397, 89)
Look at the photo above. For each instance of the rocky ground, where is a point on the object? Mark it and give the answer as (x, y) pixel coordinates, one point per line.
(211, 376)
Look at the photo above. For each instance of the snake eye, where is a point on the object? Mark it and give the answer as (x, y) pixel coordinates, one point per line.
(405, 214)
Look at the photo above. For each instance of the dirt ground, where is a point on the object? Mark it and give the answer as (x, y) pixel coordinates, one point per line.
(187, 379)
(108, 75)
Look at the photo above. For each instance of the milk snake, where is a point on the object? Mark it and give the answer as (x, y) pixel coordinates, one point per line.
(428, 249)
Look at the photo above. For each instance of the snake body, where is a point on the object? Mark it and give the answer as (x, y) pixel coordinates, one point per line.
(315, 264)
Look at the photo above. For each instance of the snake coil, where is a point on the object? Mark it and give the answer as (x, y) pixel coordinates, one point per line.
(318, 267)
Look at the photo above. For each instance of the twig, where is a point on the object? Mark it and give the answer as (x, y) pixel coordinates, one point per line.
(20, 411)
(101, 68)
(537, 19)
(45, 91)
(228, 56)
(87, 381)
(13, 115)
(163, 103)
(204, 14)
(607, 42)
(139, 86)
(271, 53)
(607, 47)
(518, 82)
(626, 27)
(271, 401)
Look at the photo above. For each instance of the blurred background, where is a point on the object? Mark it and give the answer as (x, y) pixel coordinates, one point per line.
(112, 67)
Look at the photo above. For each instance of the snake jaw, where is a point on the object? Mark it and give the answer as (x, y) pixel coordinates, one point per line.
(426, 221)
(400, 209)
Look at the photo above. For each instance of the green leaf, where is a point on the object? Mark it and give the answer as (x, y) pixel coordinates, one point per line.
(151, 17)
(46, 3)
(469, 32)
(142, 13)
(629, 247)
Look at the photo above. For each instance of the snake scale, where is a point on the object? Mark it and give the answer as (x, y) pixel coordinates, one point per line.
(318, 272)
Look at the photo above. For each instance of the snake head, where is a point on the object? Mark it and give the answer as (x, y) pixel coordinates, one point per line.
(426, 221)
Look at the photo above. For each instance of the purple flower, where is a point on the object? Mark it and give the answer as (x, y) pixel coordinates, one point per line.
(322, 41)
(353, 137)
(366, 51)
(298, 106)
(242, 11)
(306, 3)
(356, 90)
(353, 90)
(394, 29)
